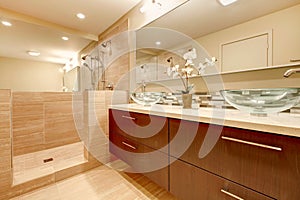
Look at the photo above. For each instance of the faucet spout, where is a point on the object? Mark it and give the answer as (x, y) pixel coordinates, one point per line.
(289, 72)
(143, 86)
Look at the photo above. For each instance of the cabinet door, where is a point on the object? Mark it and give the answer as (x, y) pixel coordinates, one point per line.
(141, 159)
(188, 182)
(149, 130)
(264, 162)
(196, 132)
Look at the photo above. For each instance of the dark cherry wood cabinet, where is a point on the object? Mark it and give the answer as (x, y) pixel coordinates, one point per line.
(148, 130)
(142, 154)
(264, 162)
(207, 161)
(188, 182)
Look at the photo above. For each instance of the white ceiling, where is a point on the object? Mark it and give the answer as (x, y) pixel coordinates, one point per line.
(23, 36)
(195, 18)
(18, 39)
(100, 14)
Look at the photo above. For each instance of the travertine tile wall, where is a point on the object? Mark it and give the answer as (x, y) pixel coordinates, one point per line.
(42, 120)
(96, 122)
(5, 143)
(33, 110)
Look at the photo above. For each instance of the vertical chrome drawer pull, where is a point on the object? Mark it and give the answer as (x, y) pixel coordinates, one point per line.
(127, 117)
(128, 145)
(252, 143)
(232, 195)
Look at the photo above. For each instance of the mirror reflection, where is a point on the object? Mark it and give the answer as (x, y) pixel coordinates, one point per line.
(246, 35)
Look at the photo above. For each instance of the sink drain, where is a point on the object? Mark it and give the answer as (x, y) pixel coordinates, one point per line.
(48, 160)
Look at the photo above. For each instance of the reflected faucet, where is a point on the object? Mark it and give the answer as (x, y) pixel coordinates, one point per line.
(289, 72)
(143, 86)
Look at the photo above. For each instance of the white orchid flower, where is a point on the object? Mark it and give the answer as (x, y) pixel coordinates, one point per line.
(189, 62)
(175, 74)
(210, 62)
(190, 55)
(187, 70)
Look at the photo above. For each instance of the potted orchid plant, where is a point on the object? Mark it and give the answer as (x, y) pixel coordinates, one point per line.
(184, 73)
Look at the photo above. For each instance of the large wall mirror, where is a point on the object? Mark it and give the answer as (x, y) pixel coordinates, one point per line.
(243, 36)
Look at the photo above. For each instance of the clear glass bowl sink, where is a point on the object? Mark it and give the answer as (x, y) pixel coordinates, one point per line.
(146, 98)
(262, 101)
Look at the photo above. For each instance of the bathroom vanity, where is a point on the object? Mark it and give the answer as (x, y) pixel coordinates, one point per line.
(210, 156)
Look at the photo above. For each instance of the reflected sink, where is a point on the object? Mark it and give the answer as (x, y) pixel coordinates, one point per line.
(260, 102)
(146, 98)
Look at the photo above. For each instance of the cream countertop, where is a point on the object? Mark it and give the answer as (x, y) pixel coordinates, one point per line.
(282, 123)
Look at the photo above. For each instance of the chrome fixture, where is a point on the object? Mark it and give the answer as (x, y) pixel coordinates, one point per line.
(106, 47)
(289, 72)
(170, 60)
(110, 86)
(93, 68)
(144, 86)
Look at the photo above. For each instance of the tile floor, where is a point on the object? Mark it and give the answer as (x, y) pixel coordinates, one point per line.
(31, 166)
(101, 183)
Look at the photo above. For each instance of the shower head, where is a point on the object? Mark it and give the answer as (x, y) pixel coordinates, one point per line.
(92, 58)
(106, 47)
(84, 57)
(105, 44)
(170, 59)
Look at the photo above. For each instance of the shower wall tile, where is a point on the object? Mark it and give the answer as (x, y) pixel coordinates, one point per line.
(42, 120)
(5, 143)
(60, 127)
(5, 155)
(116, 71)
(5, 96)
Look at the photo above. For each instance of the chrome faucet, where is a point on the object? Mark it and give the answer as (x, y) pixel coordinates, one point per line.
(143, 86)
(289, 72)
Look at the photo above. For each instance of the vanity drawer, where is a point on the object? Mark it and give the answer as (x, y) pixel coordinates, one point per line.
(192, 183)
(149, 130)
(264, 162)
(141, 159)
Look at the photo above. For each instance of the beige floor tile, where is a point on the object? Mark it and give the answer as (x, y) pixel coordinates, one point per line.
(102, 183)
(46, 193)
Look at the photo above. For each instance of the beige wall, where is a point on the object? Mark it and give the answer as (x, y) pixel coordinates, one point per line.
(286, 32)
(25, 75)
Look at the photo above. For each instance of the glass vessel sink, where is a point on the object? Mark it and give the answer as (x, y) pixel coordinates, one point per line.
(146, 98)
(260, 102)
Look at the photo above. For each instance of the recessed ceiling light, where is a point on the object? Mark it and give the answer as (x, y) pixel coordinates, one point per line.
(65, 38)
(226, 2)
(155, 4)
(158, 43)
(33, 53)
(80, 15)
(6, 23)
